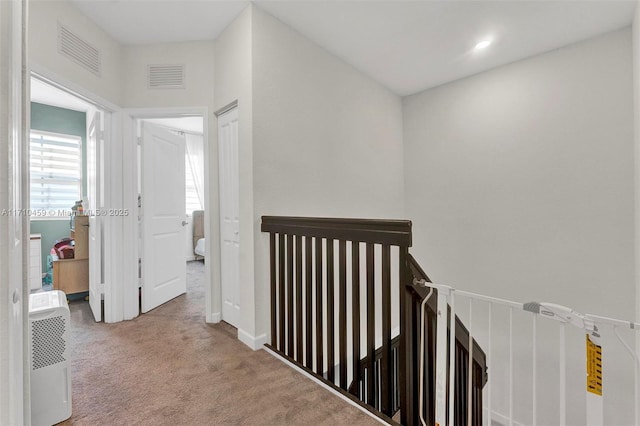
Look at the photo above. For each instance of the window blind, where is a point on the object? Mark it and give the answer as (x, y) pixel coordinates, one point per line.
(56, 171)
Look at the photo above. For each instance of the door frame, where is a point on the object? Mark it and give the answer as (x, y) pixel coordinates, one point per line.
(233, 107)
(211, 209)
(113, 228)
(14, 291)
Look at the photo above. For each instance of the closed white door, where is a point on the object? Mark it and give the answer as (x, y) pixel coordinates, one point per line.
(229, 216)
(164, 269)
(96, 214)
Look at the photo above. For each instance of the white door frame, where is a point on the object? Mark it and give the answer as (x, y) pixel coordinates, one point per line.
(113, 226)
(14, 285)
(132, 231)
(231, 312)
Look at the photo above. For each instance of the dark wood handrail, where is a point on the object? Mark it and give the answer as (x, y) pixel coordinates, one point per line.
(375, 231)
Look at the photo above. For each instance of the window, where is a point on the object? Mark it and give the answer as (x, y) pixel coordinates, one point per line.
(56, 172)
(192, 199)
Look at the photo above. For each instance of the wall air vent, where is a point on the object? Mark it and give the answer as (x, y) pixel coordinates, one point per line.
(78, 50)
(166, 76)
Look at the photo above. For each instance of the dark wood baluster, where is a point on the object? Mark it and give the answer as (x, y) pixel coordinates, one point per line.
(299, 356)
(386, 376)
(355, 310)
(308, 300)
(274, 294)
(342, 315)
(281, 291)
(408, 383)
(331, 318)
(319, 311)
(371, 324)
(290, 295)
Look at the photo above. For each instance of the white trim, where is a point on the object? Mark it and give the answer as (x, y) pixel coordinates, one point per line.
(46, 75)
(114, 226)
(215, 318)
(14, 287)
(130, 194)
(130, 292)
(255, 343)
(324, 385)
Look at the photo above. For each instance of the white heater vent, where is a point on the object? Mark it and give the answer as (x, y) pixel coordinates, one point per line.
(48, 342)
(166, 76)
(78, 50)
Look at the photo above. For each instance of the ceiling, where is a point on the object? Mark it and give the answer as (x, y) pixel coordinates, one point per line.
(408, 46)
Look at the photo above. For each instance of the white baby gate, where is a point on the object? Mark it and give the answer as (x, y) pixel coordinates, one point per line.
(591, 325)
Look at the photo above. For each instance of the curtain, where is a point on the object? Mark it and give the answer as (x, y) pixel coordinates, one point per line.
(195, 157)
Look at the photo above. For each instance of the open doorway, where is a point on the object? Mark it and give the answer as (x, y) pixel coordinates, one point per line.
(172, 206)
(66, 194)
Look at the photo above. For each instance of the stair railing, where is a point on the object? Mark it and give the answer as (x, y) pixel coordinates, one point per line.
(332, 300)
(428, 345)
(320, 269)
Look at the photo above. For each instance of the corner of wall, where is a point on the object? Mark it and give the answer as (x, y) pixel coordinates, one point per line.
(254, 342)
(636, 122)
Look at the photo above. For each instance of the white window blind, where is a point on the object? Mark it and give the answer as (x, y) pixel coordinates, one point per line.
(56, 171)
(192, 199)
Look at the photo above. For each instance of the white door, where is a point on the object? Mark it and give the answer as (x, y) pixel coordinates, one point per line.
(164, 270)
(96, 213)
(229, 216)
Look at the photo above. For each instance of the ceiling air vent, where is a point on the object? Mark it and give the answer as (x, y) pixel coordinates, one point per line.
(166, 76)
(78, 50)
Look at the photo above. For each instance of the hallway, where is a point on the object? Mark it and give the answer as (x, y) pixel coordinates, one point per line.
(170, 367)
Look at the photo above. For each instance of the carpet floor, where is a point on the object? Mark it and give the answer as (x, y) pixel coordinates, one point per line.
(168, 367)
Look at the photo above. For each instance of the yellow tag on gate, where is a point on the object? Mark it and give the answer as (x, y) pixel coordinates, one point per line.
(594, 367)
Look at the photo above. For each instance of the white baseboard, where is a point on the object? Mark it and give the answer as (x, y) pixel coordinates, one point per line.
(254, 343)
(324, 385)
(500, 418)
(215, 318)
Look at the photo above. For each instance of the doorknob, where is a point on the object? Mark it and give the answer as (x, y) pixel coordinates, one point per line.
(185, 223)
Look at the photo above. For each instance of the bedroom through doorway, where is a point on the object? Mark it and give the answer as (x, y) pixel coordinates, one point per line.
(171, 210)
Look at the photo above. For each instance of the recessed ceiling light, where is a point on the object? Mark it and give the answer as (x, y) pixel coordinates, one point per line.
(483, 44)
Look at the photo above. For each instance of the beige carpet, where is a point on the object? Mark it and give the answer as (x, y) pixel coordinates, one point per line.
(168, 367)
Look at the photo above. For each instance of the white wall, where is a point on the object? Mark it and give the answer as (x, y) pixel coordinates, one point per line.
(233, 83)
(198, 58)
(520, 184)
(327, 140)
(43, 48)
(636, 121)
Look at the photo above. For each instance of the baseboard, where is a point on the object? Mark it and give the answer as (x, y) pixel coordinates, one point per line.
(215, 318)
(255, 343)
(324, 385)
(500, 419)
